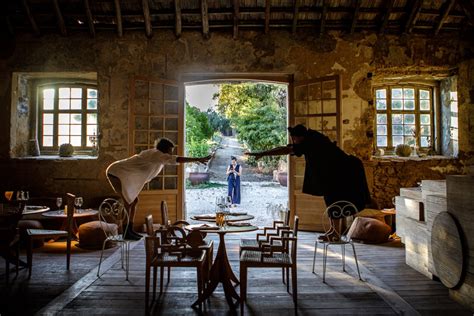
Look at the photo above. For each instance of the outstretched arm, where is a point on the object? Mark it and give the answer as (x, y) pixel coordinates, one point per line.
(277, 151)
(202, 160)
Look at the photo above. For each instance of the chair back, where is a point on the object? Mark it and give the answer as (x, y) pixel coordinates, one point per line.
(164, 213)
(295, 226)
(149, 225)
(113, 211)
(344, 210)
(287, 217)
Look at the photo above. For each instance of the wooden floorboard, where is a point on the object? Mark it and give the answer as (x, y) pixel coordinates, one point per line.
(390, 287)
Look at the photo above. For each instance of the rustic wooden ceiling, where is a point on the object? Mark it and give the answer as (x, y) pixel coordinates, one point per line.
(69, 17)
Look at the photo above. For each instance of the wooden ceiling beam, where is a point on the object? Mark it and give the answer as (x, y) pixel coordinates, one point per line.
(444, 15)
(323, 18)
(236, 17)
(386, 16)
(468, 9)
(413, 16)
(355, 16)
(267, 16)
(178, 27)
(59, 16)
(296, 10)
(31, 18)
(118, 18)
(90, 19)
(147, 17)
(205, 19)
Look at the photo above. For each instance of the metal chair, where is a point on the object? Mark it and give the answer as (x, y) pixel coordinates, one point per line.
(343, 209)
(113, 211)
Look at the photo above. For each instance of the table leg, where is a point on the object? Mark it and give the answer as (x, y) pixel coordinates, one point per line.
(221, 272)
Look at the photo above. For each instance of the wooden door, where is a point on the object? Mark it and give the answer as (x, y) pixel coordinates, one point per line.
(155, 112)
(316, 104)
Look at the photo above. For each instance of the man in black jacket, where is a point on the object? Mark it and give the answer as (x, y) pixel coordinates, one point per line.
(329, 172)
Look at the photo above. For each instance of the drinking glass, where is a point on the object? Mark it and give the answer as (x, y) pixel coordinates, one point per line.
(78, 202)
(59, 202)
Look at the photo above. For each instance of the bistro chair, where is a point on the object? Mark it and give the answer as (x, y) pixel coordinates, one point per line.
(281, 256)
(341, 207)
(179, 250)
(208, 246)
(114, 221)
(33, 234)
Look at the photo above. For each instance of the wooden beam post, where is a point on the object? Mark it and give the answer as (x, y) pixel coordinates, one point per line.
(413, 16)
(59, 16)
(147, 17)
(236, 17)
(90, 19)
(178, 26)
(323, 18)
(355, 17)
(31, 18)
(118, 17)
(296, 10)
(267, 16)
(468, 9)
(205, 19)
(386, 16)
(445, 9)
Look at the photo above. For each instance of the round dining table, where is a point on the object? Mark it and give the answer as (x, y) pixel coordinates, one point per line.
(221, 271)
(77, 214)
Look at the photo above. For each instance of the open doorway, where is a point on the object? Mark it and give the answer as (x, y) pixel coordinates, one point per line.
(226, 119)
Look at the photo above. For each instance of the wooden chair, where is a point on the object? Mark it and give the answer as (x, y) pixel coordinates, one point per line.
(274, 230)
(208, 246)
(45, 233)
(165, 218)
(112, 211)
(275, 233)
(271, 257)
(342, 207)
(180, 250)
(10, 241)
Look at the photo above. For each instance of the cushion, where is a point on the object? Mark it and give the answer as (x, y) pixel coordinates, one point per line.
(91, 234)
(25, 224)
(372, 213)
(369, 230)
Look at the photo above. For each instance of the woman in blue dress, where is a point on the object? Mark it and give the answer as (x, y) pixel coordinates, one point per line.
(234, 171)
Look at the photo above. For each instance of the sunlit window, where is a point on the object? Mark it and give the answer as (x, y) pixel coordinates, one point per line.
(67, 114)
(404, 115)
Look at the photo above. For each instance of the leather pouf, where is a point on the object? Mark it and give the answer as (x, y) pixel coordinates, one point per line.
(25, 224)
(369, 230)
(91, 234)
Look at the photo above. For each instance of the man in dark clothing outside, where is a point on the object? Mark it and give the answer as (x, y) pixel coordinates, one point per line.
(329, 172)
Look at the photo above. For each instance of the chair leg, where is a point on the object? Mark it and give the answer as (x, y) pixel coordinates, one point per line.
(7, 267)
(343, 255)
(155, 269)
(325, 258)
(101, 256)
(283, 275)
(147, 288)
(287, 280)
(161, 279)
(169, 275)
(29, 255)
(294, 284)
(243, 286)
(127, 259)
(315, 252)
(200, 283)
(355, 257)
(17, 250)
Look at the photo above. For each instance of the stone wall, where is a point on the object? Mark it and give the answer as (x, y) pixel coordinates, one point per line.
(356, 58)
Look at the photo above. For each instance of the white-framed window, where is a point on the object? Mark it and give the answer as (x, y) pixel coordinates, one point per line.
(404, 115)
(67, 113)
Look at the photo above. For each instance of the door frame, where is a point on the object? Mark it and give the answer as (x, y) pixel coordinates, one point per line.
(203, 78)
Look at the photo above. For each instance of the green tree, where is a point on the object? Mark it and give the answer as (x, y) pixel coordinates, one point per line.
(198, 131)
(258, 112)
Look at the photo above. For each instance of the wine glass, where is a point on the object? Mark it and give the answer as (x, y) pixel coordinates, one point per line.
(78, 203)
(59, 202)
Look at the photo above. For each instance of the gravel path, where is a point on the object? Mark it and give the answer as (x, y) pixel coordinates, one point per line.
(257, 190)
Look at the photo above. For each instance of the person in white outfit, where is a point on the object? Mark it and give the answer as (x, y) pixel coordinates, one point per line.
(128, 176)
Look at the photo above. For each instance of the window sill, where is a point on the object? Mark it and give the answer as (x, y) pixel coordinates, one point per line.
(52, 157)
(415, 158)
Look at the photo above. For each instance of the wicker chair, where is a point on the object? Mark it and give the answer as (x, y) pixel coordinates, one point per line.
(342, 207)
(181, 250)
(271, 257)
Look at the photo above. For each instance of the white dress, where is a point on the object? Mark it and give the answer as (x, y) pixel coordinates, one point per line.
(134, 172)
